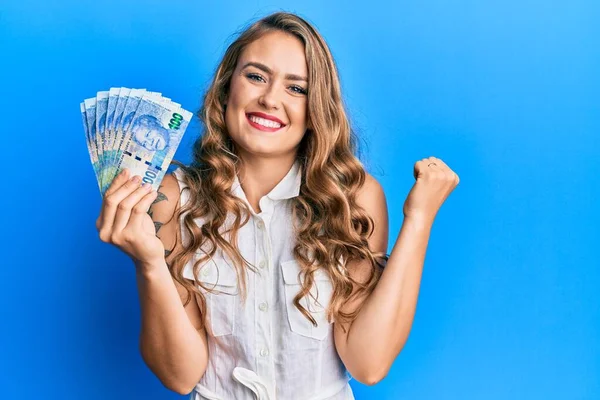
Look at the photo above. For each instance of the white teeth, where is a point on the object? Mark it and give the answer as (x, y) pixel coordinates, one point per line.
(264, 122)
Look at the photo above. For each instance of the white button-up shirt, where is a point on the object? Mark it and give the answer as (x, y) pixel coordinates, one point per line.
(265, 348)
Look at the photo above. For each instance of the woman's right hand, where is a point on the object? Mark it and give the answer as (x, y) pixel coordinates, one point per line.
(124, 220)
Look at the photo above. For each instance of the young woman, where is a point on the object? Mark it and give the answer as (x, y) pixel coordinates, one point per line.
(260, 265)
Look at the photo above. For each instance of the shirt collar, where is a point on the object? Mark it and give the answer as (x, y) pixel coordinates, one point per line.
(287, 188)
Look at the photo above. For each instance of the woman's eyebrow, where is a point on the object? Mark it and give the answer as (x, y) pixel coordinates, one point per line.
(263, 67)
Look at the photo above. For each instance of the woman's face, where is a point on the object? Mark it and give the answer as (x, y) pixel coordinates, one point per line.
(266, 111)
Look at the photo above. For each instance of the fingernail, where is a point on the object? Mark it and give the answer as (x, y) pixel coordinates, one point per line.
(135, 179)
(146, 185)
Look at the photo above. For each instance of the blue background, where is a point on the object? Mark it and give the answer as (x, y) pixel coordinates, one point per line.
(505, 92)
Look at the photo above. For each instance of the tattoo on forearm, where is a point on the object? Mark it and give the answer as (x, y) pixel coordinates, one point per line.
(159, 197)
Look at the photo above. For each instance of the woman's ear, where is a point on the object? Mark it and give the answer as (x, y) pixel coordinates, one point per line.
(309, 126)
(225, 100)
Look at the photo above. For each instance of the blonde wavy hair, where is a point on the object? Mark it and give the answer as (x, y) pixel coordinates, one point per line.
(330, 225)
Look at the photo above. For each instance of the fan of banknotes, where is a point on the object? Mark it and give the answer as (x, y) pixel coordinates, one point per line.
(134, 129)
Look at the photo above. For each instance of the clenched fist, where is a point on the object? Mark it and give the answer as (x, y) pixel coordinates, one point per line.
(434, 183)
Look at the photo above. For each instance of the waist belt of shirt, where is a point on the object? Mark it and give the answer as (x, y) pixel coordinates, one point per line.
(261, 390)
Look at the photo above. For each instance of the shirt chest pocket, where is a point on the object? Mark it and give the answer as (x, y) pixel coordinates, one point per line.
(316, 304)
(219, 277)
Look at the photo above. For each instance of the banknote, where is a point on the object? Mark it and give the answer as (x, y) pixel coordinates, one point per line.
(113, 97)
(132, 128)
(133, 100)
(101, 104)
(88, 139)
(113, 122)
(154, 132)
(90, 113)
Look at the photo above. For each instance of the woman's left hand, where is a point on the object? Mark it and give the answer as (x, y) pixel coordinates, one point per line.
(435, 182)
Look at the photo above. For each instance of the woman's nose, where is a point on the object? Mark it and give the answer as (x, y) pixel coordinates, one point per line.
(269, 99)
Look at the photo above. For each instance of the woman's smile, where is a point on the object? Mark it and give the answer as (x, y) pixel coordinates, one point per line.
(263, 124)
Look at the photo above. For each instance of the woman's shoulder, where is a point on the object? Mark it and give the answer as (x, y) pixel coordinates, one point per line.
(371, 197)
(370, 188)
(171, 184)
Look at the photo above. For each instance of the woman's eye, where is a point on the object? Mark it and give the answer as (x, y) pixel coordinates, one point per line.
(254, 77)
(258, 78)
(298, 89)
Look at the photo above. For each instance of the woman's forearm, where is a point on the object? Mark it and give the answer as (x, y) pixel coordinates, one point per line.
(382, 326)
(169, 343)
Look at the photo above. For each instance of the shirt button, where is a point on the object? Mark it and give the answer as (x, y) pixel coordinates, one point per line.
(260, 224)
(263, 306)
(262, 264)
(264, 352)
(205, 272)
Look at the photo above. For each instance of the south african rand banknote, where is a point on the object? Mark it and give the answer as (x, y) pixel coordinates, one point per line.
(135, 129)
